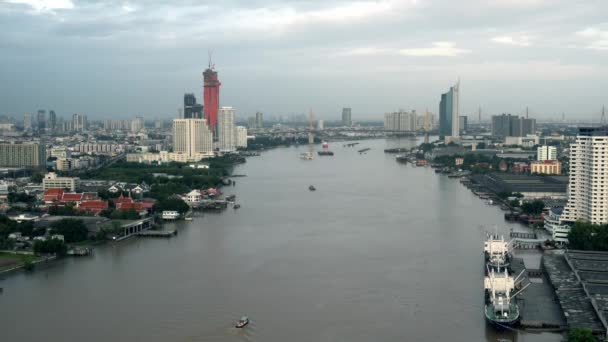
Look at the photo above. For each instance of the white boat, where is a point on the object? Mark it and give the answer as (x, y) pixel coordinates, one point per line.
(307, 156)
(497, 252)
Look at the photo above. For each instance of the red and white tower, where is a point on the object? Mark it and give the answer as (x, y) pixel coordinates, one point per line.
(211, 95)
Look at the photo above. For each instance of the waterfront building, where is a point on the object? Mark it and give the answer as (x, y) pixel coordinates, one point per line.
(211, 96)
(588, 193)
(241, 136)
(559, 232)
(449, 115)
(546, 153)
(79, 122)
(259, 120)
(225, 129)
(137, 124)
(347, 119)
(192, 140)
(52, 181)
(23, 155)
(507, 125)
(546, 167)
(400, 121)
(320, 125)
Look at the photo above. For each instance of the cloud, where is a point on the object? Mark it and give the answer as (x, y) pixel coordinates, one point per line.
(595, 38)
(521, 40)
(438, 49)
(45, 5)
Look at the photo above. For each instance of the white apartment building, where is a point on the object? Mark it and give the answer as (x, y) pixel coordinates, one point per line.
(401, 121)
(588, 186)
(192, 140)
(225, 127)
(241, 136)
(546, 153)
(137, 124)
(52, 181)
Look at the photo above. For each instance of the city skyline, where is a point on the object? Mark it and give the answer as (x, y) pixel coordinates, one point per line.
(518, 54)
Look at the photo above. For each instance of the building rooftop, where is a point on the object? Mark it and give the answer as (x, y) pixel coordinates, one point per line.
(505, 182)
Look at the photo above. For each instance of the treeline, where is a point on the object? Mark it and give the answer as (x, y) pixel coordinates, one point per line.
(589, 237)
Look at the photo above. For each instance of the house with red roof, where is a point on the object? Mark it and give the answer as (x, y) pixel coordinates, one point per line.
(94, 206)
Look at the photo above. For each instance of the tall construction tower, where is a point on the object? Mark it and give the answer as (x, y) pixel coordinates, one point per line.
(479, 114)
(311, 137)
(427, 126)
(603, 122)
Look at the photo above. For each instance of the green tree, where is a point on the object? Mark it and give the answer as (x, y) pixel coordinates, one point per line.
(173, 203)
(73, 230)
(533, 208)
(37, 177)
(581, 335)
(53, 246)
(587, 236)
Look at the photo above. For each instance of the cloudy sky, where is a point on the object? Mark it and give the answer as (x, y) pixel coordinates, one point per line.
(125, 58)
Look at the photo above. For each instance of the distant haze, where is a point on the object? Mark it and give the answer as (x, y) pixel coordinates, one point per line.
(118, 59)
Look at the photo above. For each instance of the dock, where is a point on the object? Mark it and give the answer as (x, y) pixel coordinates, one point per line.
(539, 309)
(158, 233)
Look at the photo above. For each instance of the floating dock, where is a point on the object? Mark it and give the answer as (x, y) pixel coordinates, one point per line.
(158, 233)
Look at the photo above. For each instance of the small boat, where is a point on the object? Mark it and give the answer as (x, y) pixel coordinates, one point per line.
(188, 218)
(312, 188)
(236, 206)
(242, 322)
(307, 156)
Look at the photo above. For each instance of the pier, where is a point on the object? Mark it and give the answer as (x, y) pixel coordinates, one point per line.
(158, 233)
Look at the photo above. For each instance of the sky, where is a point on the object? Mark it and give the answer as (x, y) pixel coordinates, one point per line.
(119, 59)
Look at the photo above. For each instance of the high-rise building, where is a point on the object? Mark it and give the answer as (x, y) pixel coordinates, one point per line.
(347, 119)
(225, 129)
(507, 125)
(211, 96)
(137, 124)
(27, 122)
(401, 121)
(192, 110)
(463, 124)
(320, 125)
(192, 138)
(79, 122)
(52, 120)
(587, 193)
(546, 153)
(449, 115)
(259, 120)
(23, 155)
(41, 119)
(241, 136)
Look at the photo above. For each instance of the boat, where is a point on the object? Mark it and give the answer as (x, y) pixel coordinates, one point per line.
(242, 322)
(496, 252)
(236, 206)
(325, 153)
(307, 156)
(364, 150)
(188, 218)
(501, 309)
(325, 144)
(312, 188)
(402, 158)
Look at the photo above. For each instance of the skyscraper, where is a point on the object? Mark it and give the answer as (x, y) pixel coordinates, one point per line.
(193, 138)
(137, 124)
(52, 120)
(41, 120)
(400, 121)
(192, 110)
(463, 124)
(449, 120)
(27, 122)
(587, 194)
(225, 129)
(79, 122)
(346, 117)
(507, 125)
(23, 155)
(241, 136)
(259, 120)
(211, 96)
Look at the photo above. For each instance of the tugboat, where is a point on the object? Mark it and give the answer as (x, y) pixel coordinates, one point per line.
(501, 310)
(312, 188)
(496, 251)
(242, 322)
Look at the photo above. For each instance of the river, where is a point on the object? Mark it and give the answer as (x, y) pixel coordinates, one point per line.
(380, 252)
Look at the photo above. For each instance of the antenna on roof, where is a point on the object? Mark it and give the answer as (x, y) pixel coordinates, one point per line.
(210, 53)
